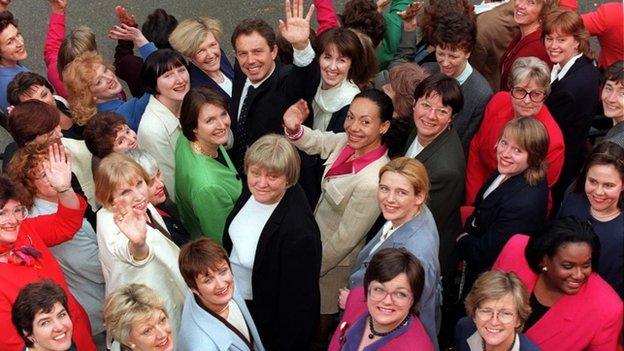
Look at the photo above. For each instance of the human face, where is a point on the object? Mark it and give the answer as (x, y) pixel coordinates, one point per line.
(105, 85)
(266, 187)
(216, 287)
(488, 317)
(125, 139)
(603, 187)
(452, 62)
(255, 57)
(388, 312)
(208, 55)
(512, 159)
(11, 217)
(41, 183)
(151, 334)
(12, 49)
(526, 107)
(526, 12)
(613, 100)
(38, 92)
(560, 48)
(334, 67)
(157, 194)
(134, 195)
(569, 268)
(52, 331)
(364, 126)
(173, 84)
(397, 199)
(431, 117)
(213, 126)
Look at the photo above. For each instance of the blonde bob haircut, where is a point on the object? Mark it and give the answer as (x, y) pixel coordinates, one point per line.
(127, 304)
(275, 154)
(567, 22)
(494, 285)
(78, 77)
(530, 69)
(190, 33)
(113, 171)
(532, 137)
(79, 40)
(411, 169)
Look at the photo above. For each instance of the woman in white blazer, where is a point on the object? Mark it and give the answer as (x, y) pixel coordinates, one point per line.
(134, 244)
(348, 205)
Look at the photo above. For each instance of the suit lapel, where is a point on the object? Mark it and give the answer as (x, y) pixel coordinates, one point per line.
(432, 149)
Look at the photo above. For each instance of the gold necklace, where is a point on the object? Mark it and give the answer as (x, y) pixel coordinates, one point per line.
(198, 149)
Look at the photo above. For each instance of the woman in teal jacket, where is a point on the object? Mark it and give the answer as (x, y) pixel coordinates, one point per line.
(207, 184)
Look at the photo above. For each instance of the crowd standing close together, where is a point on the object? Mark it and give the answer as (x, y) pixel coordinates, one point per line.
(405, 176)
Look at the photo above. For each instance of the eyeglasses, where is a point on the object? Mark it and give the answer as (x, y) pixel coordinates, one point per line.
(399, 298)
(521, 93)
(486, 314)
(426, 107)
(19, 212)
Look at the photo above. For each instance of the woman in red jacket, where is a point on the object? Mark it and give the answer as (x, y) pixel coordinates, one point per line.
(24, 254)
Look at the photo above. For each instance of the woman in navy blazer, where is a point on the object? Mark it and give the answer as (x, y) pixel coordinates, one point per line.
(575, 90)
(199, 39)
(513, 200)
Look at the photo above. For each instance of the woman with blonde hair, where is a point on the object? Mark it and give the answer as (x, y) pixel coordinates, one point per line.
(199, 39)
(574, 91)
(136, 317)
(134, 244)
(497, 301)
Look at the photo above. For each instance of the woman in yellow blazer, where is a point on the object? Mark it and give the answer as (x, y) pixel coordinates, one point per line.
(348, 205)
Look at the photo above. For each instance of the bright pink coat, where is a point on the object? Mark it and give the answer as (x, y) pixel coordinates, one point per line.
(53, 40)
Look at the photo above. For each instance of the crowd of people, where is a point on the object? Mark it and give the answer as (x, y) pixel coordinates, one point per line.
(404, 176)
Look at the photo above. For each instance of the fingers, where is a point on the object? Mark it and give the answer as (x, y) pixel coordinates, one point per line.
(308, 17)
(299, 4)
(287, 10)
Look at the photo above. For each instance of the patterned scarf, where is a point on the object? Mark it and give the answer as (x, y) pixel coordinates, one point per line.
(24, 255)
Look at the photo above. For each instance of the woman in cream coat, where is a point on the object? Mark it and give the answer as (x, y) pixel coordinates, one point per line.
(134, 244)
(348, 205)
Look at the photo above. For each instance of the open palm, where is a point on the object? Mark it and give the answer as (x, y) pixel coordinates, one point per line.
(57, 167)
(296, 28)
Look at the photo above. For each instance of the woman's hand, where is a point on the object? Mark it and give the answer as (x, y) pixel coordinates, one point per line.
(126, 32)
(132, 224)
(57, 168)
(124, 17)
(295, 116)
(409, 15)
(343, 295)
(296, 28)
(58, 6)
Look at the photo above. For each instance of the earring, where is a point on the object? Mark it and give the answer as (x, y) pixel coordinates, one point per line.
(544, 269)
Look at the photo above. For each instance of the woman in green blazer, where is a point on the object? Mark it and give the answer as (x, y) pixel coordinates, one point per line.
(207, 184)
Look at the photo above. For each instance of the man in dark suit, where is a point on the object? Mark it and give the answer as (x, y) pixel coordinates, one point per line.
(264, 88)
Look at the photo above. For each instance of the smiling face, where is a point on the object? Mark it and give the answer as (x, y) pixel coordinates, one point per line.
(511, 157)
(364, 126)
(11, 216)
(134, 194)
(431, 117)
(488, 318)
(255, 57)
(152, 333)
(12, 49)
(569, 268)
(334, 67)
(52, 331)
(125, 139)
(560, 48)
(213, 125)
(216, 287)
(266, 187)
(613, 100)
(604, 188)
(38, 92)
(105, 86)
(397, 199)
(208, 55)
(157, 194)
(452, 62)
(526, 12)
(526, 107)
(173, 84)
(390, 310)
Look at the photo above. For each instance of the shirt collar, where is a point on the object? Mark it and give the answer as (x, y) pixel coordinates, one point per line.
(559, 72)
(160, 111)
(366, 159)
(109, 105)
(461, 79)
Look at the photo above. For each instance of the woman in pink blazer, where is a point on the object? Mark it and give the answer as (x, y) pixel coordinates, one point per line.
(573, 308)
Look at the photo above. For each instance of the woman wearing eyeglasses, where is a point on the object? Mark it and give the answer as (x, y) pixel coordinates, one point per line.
(383, 314)
(24, 254)
(529, 85)
(497, 307)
